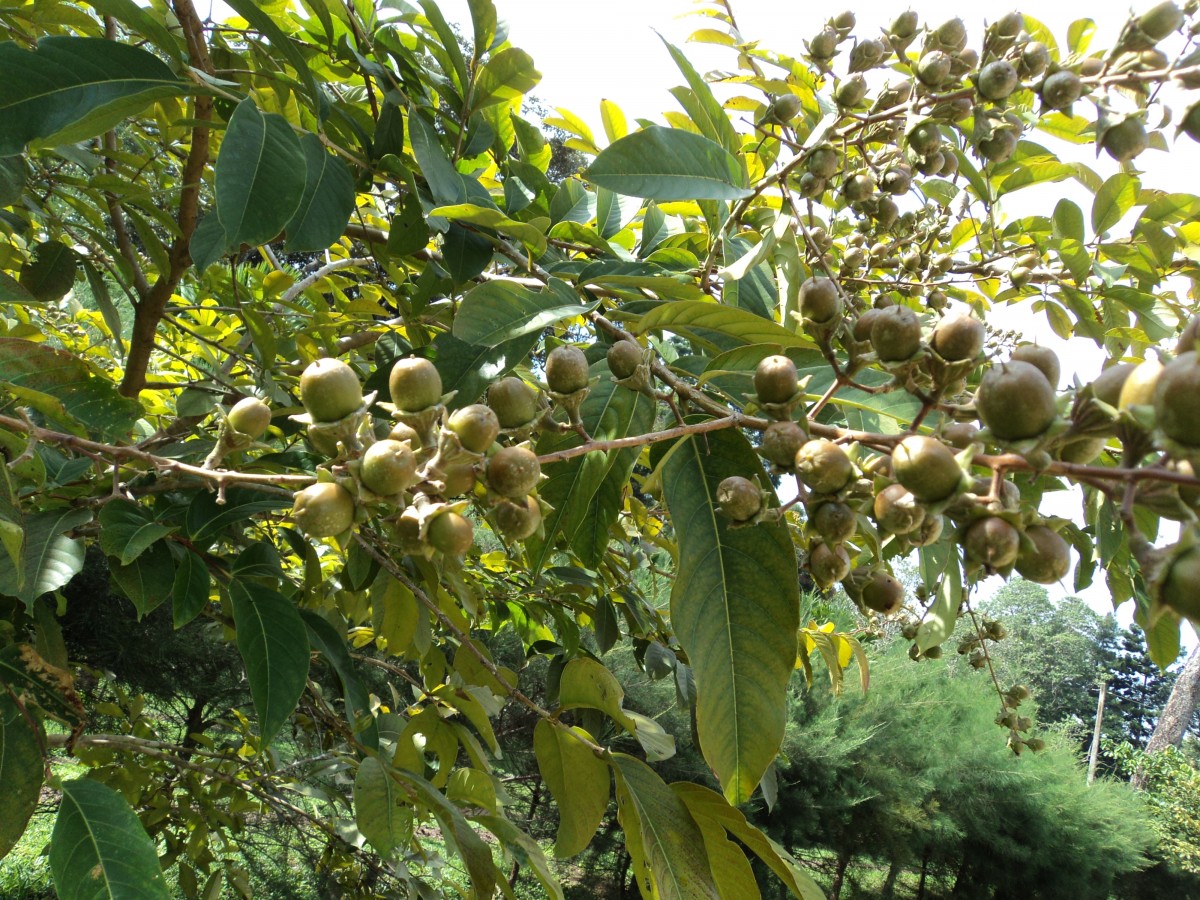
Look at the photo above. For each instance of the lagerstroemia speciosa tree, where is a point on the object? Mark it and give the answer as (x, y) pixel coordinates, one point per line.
(295, 328)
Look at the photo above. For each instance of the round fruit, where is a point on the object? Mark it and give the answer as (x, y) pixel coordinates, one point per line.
(1010, 25)
(1125, 140)
(476, 425)
(952, 34)
(458, 479)
(1189, 335)
(1177, 399)
(850, 91)
(823, 466)
(958, 337)
(819, 300)
(624, 357)
(405, 434)
(883, 593)
(518, 520)
(925, 138)
(1034, 58)
(775, 380)
(451, 533)
(997, 80)
(1160, 21)
(1015, 401)
(993, 542)
(414, 384)
(926, 467)
(864, 323)
(934, 68)
(388, 467)
(929, 532)
(896, 333)
(1190, 125)
(1139, 387)
(1000, 146)
(960, 434)
(780, 441)
(1109, 383)
(828, 564)
(824, 45)
(513, 401)
(250, 416)
(329, 390)
(845, 21)
(784, 108)
(897, 511)
(513, 471)
(1047, 559)
(739, 498)
(858, 187)
(1181, 586)
(1042, 357)
(823, 162)
(1082, 450)
(835, 522)
(905, 25)
(323, 509)
(566, 369)
(897, 180)
(886, 213)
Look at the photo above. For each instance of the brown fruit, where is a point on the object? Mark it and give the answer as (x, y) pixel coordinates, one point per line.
(960, 434)
(883, 593)
(1061, 89)
(896, 333)
(1109, 383)
(1177, 399)
(405, 434)
(824, 466)
(451, 533)
(1181, 586)
(458, 479)
(513, 401)
(1046, 559)
(1015, 401)
(250, 416)
(329, 390)
(834, 522)
(997, 80)
(513, 472)
(476, 425)
(414, 384)
(827, 564)
(1138, 389)
(780, 441)
(775, 380)
(1125, 140)
(566, 369)
(864, 323)
(388, 467)
(926, 467)
(819, 300)
(858, 187)
(993, 542)
(739, 498)
(323, 509)
(520, 519)
(1189, 335)
(1042, 357)
(897, 511)
(1000, 146)
(624, 357)
(958, 337)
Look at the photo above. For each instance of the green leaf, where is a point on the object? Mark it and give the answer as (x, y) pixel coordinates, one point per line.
(73, 88)
(21, 771)
(260, 176)
(148, 580)
(327, 202)
(50, 275)
(444, 181)
(12, 179)
(49, 559)
(254, 13)
(495, 219)
(499, 311)
(208, 243)
(735, 610)
(669, 164)
(274, 645)
(103, 299)
(126, 530)
(140, 22)
(578, 781)
(585, 682)
(191, 589)
(12, 292)
(714, 123)
(326, 641)
(505, 77)
(939, 621)
(206, 517)
(1068, 220)
(704, 321)
(524, 850)
(381, 808)
(99, 849)
(483, 24)
(470, 370)
(1115, 198)
(671, 844)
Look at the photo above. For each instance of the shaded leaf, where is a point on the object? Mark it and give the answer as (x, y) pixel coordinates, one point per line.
(499, 311)
(127, 530)
(578, 781)
(21, 771)
(147, 580)
(190, 591)
(50, 275)
(470, 370)
(381, 808)
(327, 202)
(273, 642)
(49, 559)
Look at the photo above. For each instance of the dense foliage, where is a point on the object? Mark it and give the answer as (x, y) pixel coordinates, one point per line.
(306, 355)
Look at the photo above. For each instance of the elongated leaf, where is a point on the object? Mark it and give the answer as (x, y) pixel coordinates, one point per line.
(104, 303)
(99, 848)
(252, 12)
(147, 580)
(127, 530)
(1115, 198)
(578, 781)
(381, 808)
(191, 589)
(332, 646)
(671, 842)
(13, 172)
(712, 321)
(504, 77)
(21, 771)
(714, 123)
(444, 180)
(669, 164)
(735, 609)
(274, 645)
(494, 218)
(73, 88)
(469, 369)
(205, 517)
(327, 202)
(49, 559)
(498, 311)
(585, 682)
(259, 176)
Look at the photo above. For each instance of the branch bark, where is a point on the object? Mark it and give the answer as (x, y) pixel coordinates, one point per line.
(1177, 714)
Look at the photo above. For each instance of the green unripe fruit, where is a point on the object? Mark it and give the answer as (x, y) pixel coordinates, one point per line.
(1189, 335)
(775, 380)
(823, 162)
(250, 416)
(997, 80)
(835, 522)
(1015, 401)
(897, 180)
(886, 213)
(960, 434)
(329, 390)
(414, 384)
(823, 466)
(850, 91)
(819, 300)
(897, 511)
(781, 441)
(1047, 558)
(406, 434)
(1177, 399)
(1061, 89)
(476, 425)
(451, 533)
(1161, 21)
(952, 34)
(784, 108)
(858, 187)
(1042, 357)
(1034, 58)
(905, 25)
(1139, 387)
(513, 401)
(1010, 25)
(824, 45)
(934, 68)
(520, 519)
(388, 467)
(926, 467)
(513, 472)
(739, 498)
(323, 509)
(624, 357)
(895, 333)
(883, 593)
(925, 138)
(1000, 146)
(828, 565)
(958, 337)
(929, 532)
(1125, 140)
(566, 369)
(864, 323)
(932, 653)
(1181, 586)
(845, 21)
(458, 479)
(1191, 122)
(322, 442)
(1109, 383)
(992, 542)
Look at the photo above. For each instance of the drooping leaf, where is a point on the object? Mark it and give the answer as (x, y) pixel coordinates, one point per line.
(48, 559)
(470, 369)
(1115, 198)
(505, 77)
(191, 589)
(126, 530)
(50, 275)
(206, 517)
(495, 219)
(381, 809)
(669, 164)
(327, 202)
(585, 682)
(578, 781)
(704, 321)
(273, 642)
(146, 580)
(21, 770)
(499, 311)
(99, 848)
(332, 646)
(262, 21)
